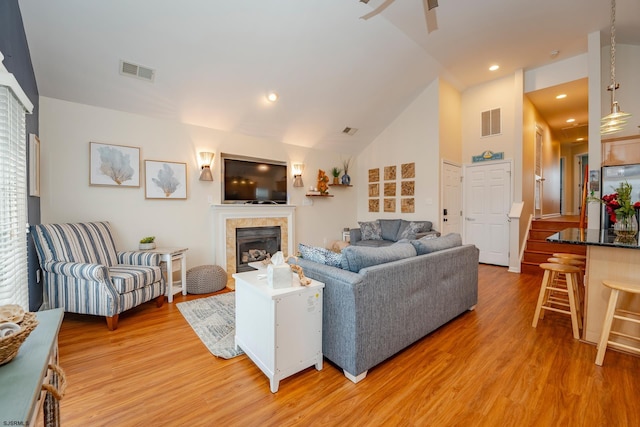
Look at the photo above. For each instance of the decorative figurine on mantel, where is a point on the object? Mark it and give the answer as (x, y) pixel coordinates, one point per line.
(323, 180)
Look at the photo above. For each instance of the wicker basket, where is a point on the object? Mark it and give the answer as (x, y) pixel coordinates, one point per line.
(10, 345)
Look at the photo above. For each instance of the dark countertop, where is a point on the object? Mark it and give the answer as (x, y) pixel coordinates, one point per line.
(578, 236)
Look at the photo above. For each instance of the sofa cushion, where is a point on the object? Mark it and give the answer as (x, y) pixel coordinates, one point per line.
(371, 230)
(320, 255)
(409, 229)
(356, 258)
(428, 244)
(389, 228)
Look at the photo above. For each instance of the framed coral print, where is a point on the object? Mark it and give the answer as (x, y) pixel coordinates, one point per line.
(165, 180)
(34, 165)
(114, 165)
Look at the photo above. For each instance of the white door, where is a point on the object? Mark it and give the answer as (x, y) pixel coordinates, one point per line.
(451, 198)
(487, 195)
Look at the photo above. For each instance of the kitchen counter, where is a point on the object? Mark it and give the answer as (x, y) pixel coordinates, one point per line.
(578, 236)
(606, 259)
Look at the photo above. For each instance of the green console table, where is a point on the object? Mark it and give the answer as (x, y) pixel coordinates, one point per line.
(21, 380)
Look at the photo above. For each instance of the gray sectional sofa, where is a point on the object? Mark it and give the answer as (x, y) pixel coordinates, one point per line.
(385, 232)
(384, 299)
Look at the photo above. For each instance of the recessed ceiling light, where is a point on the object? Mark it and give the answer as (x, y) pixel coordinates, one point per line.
(561, 96)
(571, 120)
(494, 67)
(272, 97)
(580, 139)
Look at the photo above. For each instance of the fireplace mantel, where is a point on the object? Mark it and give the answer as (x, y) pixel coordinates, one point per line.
(226, 218)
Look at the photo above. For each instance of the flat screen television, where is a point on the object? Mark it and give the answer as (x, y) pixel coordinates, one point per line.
(251, 180)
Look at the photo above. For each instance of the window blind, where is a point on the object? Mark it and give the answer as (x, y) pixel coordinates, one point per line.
(14, 286)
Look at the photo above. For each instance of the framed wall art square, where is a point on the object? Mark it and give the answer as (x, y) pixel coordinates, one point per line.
(165, 180)
(114, 165)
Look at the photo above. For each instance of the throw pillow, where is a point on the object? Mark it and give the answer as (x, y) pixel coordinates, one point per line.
(370, 230)
(356, 258)
(409, 230)
(428, 244)
(320, 255)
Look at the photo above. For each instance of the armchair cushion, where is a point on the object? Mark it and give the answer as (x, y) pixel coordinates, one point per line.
(127, 278)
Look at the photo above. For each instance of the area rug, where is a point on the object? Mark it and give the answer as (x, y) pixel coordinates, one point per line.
(213, 320)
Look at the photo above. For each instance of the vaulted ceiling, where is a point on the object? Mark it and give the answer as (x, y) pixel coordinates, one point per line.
(215, 60)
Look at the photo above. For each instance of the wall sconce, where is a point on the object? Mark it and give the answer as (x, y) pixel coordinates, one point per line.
(206, 158)
(297, 175)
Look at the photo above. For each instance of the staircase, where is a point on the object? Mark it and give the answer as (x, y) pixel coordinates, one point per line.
(538, 250)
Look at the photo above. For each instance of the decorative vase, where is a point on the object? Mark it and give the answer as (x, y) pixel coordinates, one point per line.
(146, 246)
(336, 180)
(346, 179)
(626, 229)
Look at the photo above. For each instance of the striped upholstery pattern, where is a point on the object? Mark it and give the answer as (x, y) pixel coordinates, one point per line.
(89, 242)
(127, 278)
(84, 273)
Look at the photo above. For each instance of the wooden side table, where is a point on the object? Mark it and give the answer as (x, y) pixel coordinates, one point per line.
(174, 259)
(279, 329)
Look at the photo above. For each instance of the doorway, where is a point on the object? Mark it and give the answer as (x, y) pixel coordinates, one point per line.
(581, 161)
(487, 201)
(451, 198)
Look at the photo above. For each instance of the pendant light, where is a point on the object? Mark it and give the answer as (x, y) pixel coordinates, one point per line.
(615, 121)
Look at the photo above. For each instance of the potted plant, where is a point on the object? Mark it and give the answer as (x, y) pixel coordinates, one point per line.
(336, 174)
(147, 243)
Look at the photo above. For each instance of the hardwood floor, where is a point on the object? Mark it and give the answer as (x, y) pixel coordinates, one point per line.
(488, 367)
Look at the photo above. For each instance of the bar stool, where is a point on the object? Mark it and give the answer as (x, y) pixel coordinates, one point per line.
(577, 261)
(570, 256)
(552, 294)
(614, 313)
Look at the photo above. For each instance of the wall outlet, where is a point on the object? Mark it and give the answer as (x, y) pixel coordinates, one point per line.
(307, 202)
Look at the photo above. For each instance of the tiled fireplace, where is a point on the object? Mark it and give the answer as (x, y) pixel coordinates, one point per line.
(228, 218)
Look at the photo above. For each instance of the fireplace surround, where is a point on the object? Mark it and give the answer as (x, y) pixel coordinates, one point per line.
(229, 217)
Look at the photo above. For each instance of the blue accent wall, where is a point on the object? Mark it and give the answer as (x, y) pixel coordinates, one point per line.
(17, 60)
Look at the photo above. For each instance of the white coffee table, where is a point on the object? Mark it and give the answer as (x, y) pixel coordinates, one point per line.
(279, 329)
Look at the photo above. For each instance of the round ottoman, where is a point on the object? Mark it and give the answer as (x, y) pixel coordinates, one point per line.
(205, 279)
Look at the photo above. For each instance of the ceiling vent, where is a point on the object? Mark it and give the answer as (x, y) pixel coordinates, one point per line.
(133, 70)
(491, 122)
(350, 131)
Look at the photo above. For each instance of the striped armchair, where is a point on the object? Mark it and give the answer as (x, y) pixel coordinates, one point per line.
(83, 272)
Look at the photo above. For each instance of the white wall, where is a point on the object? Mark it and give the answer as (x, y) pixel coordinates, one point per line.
(412, 137)
(498, 93)
(67, 128)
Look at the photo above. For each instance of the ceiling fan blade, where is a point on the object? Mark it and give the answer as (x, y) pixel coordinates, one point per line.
(430, 15)
(377, 10)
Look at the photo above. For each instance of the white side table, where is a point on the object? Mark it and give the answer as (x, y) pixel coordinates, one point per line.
(174, 259)
(279, 329)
